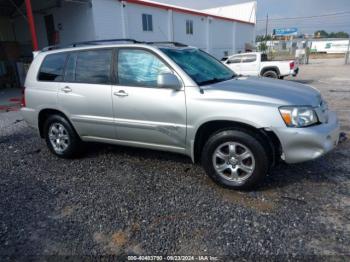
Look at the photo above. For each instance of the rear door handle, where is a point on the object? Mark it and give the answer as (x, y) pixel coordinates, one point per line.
(121, 93)
(66, 89)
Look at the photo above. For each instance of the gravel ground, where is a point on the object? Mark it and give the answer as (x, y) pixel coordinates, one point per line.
(117, 200)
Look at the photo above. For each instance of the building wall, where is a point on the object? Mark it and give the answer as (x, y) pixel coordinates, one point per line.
(6, 31)
(75, 20)
(199, 30)
(244, 11)
(221, 38)
(245, 33)
(134, 23)
(225, 37)
(107, 19)
(330, 46)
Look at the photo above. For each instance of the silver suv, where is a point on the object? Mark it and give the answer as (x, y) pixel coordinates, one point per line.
(172, 97)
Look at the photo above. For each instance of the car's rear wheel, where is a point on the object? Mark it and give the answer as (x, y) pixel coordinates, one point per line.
(270, 74)
(235, 159)
(60, 136)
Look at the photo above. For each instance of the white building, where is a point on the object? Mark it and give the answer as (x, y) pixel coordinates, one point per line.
(330, 46)
(67, 21)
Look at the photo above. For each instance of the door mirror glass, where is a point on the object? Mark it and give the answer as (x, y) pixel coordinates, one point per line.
(168, 80)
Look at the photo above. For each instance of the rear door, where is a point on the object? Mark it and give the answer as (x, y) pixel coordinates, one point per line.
(146, 114)
(85, 94)
(48, 82)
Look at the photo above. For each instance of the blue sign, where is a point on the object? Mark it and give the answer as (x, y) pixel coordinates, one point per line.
(285, 31)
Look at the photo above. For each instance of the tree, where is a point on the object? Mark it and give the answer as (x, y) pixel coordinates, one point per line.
(262, 38)
(338, 35)
(321, 34)
(262, 47)
(324, 34)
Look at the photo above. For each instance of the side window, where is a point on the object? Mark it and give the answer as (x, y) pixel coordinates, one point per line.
(93, 66)
(69, 75)
(189, 27)
(139, 68)
(235, 60)
(249, 58)
(51, 69)
(147, 23)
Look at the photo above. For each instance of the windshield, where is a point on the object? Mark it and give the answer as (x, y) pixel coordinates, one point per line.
(200, 66)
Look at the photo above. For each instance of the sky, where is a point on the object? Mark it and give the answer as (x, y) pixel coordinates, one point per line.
(335, 13)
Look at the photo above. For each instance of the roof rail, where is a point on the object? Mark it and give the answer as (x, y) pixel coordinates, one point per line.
(96, 42)
(93, 42)
(168, 42)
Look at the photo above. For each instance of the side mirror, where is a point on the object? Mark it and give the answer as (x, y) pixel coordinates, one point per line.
(169, 80)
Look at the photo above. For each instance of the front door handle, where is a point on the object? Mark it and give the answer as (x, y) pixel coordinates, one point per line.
(121, 93)
(66, 89)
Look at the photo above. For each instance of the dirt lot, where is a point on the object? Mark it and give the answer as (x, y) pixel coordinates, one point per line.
(119, 201)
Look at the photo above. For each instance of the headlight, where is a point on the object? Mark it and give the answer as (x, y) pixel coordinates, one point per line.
(298, 116)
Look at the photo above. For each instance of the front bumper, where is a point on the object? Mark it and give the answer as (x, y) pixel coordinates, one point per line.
(303, 144)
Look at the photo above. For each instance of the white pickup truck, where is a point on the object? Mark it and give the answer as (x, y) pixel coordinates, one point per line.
(257, 64)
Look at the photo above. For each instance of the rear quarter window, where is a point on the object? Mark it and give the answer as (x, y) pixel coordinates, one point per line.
(51, 69)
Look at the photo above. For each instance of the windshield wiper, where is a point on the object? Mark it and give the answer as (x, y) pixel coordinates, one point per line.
(215, 80)
(210, 81)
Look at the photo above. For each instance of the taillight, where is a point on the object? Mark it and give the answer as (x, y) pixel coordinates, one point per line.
(23, 99)
(291, 65)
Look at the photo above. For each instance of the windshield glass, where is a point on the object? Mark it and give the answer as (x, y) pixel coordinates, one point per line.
(200, 66)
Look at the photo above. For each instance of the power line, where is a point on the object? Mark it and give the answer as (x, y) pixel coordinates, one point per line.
(306, 17)
(316, 20)
(304, 24)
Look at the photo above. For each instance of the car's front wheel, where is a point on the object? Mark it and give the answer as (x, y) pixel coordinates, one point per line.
(235, 159)
(61, 137)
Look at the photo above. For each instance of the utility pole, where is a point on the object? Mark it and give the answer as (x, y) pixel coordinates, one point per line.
(267, 23)
(347, 53)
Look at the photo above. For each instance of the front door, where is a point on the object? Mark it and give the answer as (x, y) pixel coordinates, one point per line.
(249, 65)
(85, 94)
(234, 62)
(146, 114)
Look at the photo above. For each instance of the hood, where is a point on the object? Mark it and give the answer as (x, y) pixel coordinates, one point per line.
(266, 90)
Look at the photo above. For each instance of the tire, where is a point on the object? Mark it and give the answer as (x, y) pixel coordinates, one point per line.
(60, 137)
(236, 161)
(270, 74)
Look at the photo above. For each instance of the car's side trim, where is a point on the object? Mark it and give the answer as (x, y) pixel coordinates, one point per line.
(169, 129)
(123, 122)
(93, 119)
(174, 149)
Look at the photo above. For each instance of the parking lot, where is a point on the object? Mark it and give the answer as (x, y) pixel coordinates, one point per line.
(117, 200)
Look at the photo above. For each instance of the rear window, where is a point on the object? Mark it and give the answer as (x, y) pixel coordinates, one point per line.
(51, 69)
